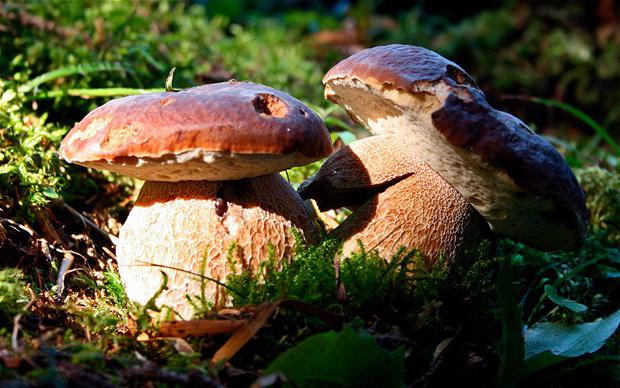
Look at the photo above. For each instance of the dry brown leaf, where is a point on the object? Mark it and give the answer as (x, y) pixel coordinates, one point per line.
(197, 328)
(441, 347)
(142, 337)
(245, 332)
(182, 346)
(260, 318)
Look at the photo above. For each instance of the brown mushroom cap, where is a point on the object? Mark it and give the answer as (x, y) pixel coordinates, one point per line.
(513, 177)
(359, 171)
(405, 202)
(223, 131)
(177, 227)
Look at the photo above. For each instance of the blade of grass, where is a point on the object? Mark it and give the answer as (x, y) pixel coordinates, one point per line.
(89, 93)
(557, 283)
(573, 111)
(70, 70)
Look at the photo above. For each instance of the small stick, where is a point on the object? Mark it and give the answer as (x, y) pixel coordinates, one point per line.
(67, 261)
(245, 332)
(91, 224)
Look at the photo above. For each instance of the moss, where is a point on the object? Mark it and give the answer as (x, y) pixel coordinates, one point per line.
(13, 295)
(602, 189)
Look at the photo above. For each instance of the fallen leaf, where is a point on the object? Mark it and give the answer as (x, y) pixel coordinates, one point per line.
(198, 328)
(182, 346)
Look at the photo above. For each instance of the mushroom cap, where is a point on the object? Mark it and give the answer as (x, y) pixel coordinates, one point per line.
(359, 171)
(177, 227)
(224, 131)
(514, 178)
(407, 203)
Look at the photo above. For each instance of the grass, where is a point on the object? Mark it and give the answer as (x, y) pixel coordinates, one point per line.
(577, 113)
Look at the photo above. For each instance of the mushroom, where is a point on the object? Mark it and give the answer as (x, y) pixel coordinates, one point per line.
(514, 178)
(402, 202)
(210, 157)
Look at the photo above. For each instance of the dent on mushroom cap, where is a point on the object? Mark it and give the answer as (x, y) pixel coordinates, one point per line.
(514, 178)
(270, 105)
(178, 226)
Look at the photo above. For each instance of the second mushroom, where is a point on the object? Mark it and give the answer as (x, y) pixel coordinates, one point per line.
(444, 160)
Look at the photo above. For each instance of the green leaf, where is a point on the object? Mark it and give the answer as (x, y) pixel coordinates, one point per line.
(547, 344)
(96, 92)
(347, 358)
(337, 123)
(552, 294)
(50, 193)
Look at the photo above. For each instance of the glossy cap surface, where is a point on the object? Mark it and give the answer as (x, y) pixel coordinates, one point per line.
(225, 131)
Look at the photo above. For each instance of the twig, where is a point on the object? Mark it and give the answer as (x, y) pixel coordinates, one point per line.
(16, 326)
(113, 239)
(261, 315)
(18, 226)
(139, 375)
(245, 332)
(67, 261)
(219, 283)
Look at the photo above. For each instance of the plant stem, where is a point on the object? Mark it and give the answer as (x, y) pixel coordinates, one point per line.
(511, 346)
(559, 281)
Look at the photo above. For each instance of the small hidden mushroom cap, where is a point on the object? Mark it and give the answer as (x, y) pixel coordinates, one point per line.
(224, 131)
(514, 178)
(359, 171)
(403, 201)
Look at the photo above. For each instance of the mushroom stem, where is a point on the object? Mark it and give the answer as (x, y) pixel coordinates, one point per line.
(192, 225)
(422, 212)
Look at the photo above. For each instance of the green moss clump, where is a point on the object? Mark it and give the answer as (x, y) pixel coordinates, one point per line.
(372, 284)
(602, 189)
(28, 161)
(309, 276)
(13, 296)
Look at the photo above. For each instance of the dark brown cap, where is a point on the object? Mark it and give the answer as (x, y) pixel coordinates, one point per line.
(223, 131)
(513, 177)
